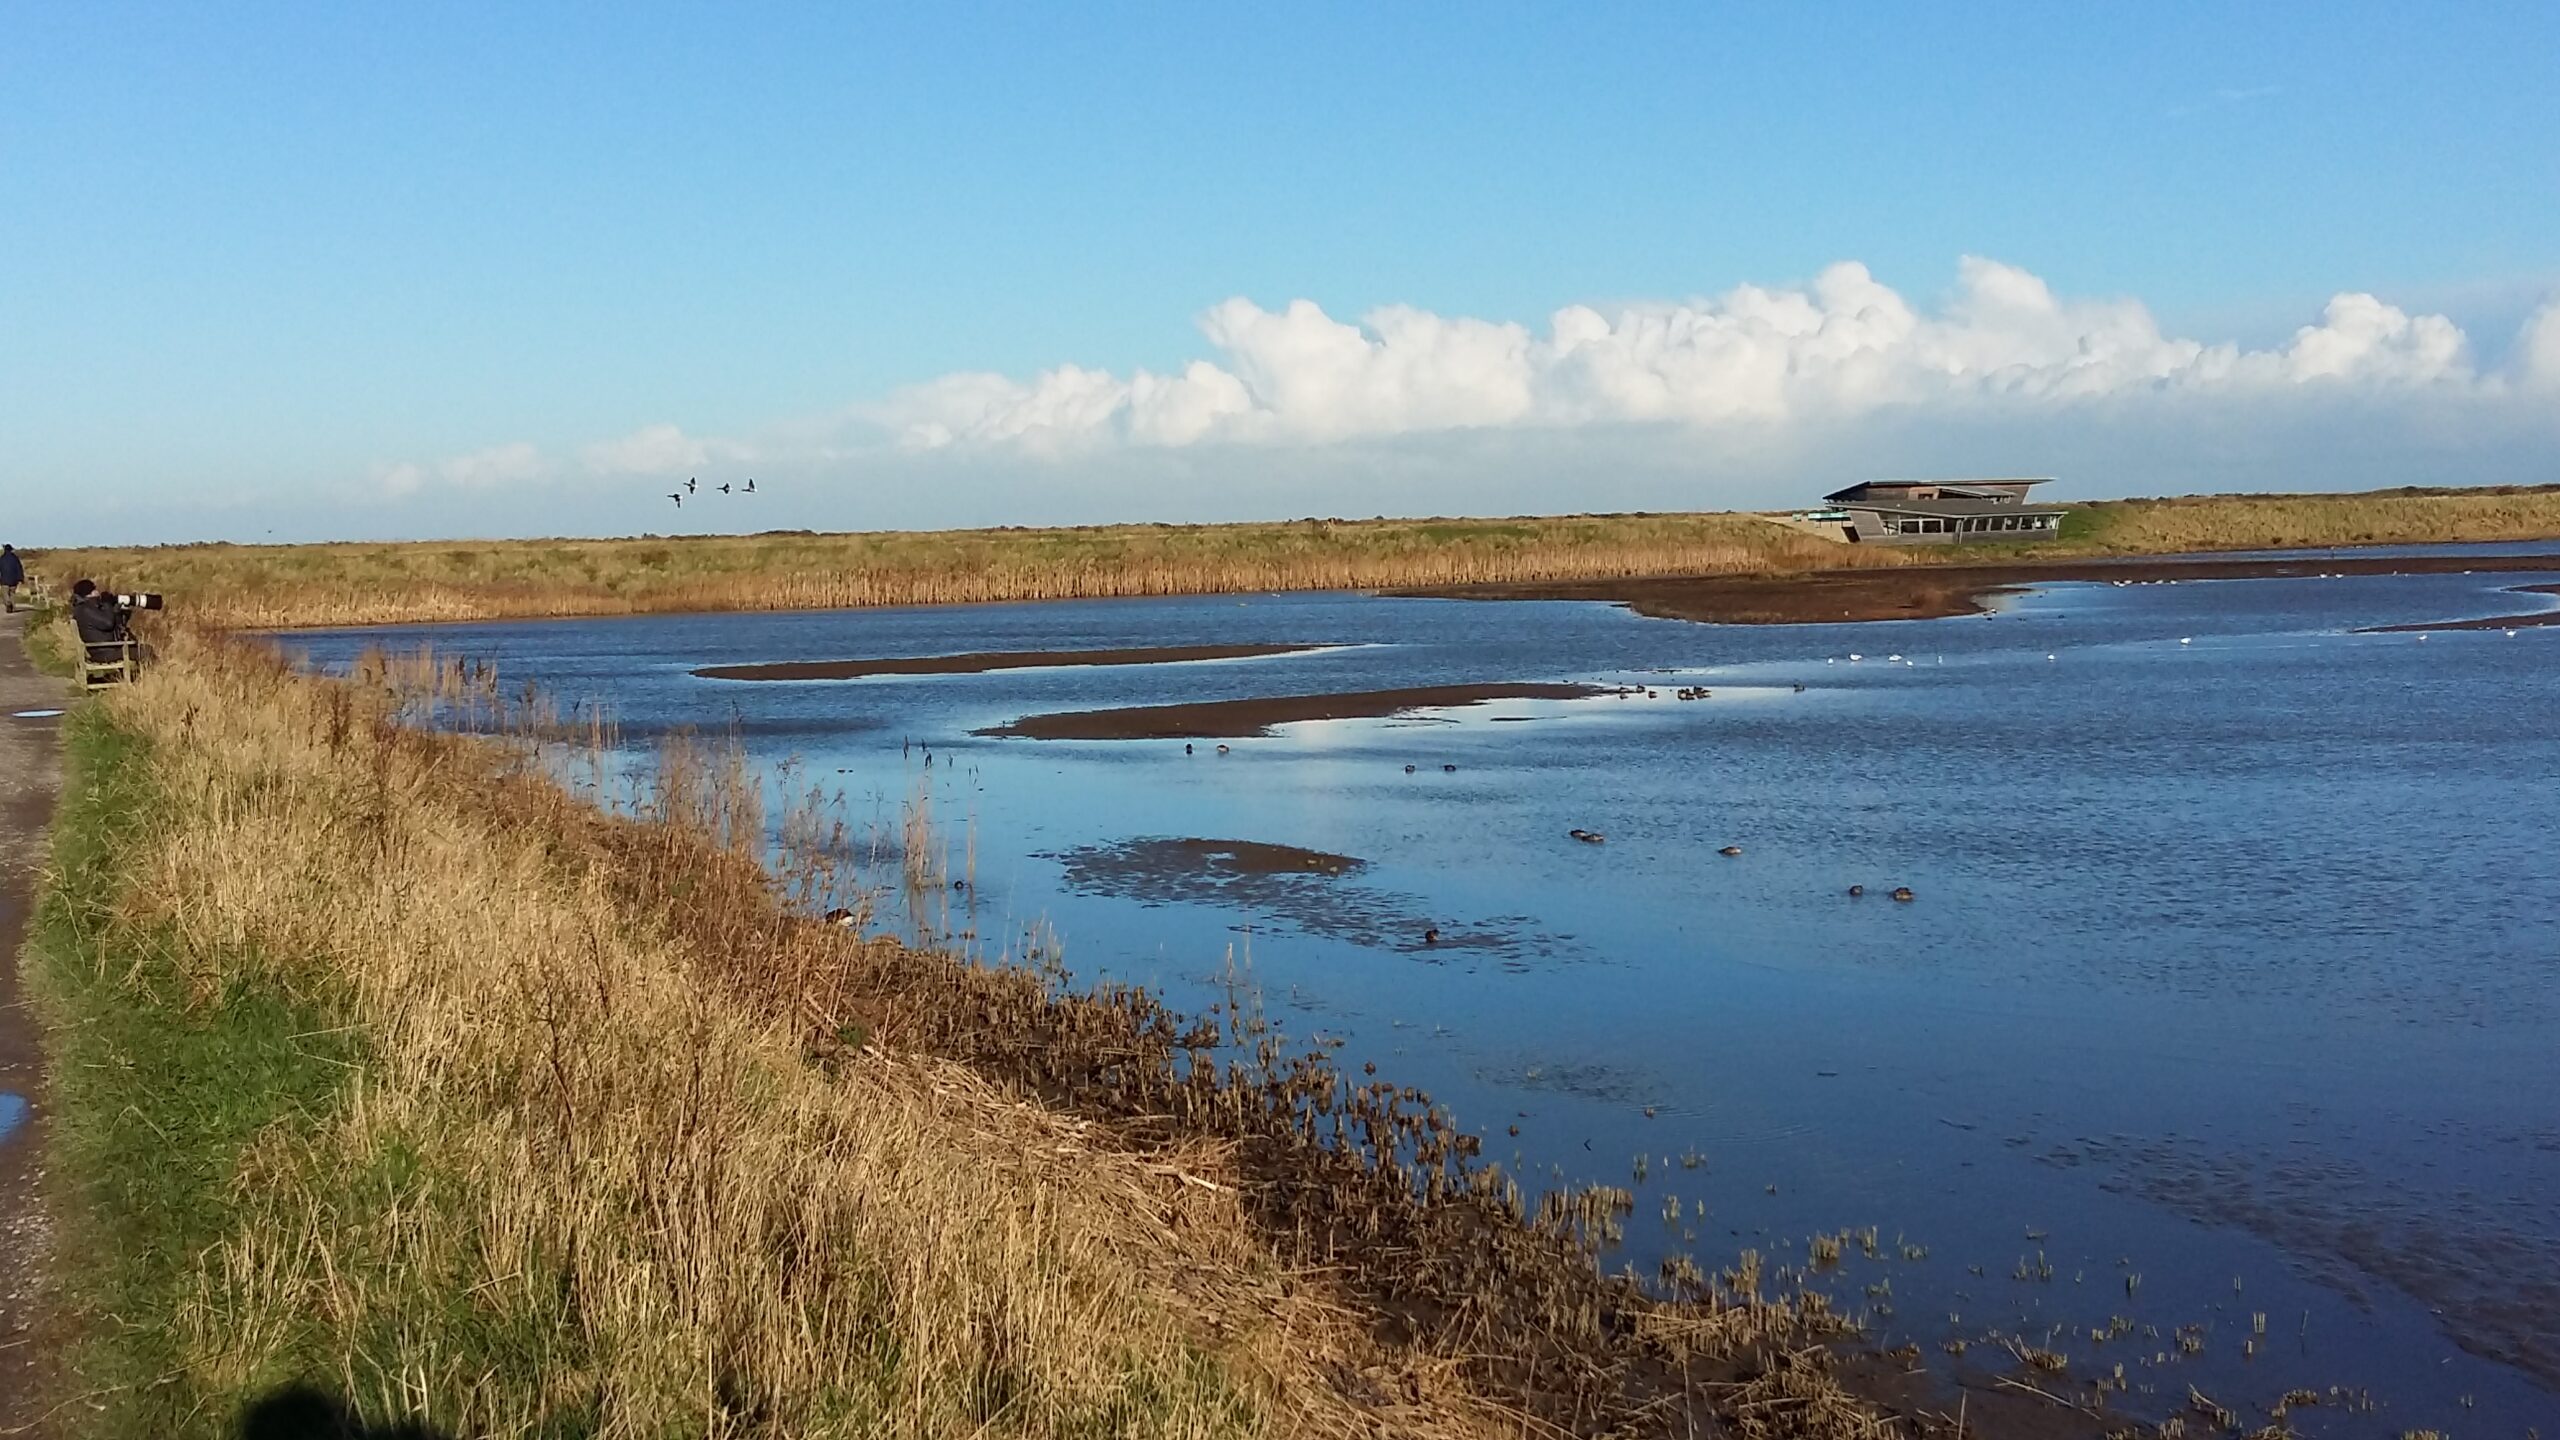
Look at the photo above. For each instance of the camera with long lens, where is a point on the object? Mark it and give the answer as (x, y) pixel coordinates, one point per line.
(138, 600)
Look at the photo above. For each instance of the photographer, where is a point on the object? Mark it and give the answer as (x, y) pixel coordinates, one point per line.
(105, 624)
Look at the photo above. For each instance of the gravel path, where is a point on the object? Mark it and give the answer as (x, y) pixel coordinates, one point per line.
(30, 773)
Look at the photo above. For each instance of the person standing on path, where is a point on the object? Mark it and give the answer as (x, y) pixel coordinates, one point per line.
(13, 573)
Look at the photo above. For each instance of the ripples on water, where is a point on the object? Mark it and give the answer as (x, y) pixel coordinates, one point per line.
(2233, 963)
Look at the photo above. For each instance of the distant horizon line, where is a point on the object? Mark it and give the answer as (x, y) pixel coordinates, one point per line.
(646, 536)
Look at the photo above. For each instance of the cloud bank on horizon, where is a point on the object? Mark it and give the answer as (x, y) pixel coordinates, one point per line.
(1845, 346)
(1744, 399)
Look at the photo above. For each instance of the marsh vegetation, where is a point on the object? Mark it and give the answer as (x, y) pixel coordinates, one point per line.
(395, 1068)
(264, 586)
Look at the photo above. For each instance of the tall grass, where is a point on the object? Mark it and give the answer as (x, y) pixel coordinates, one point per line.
(376, 1079)
(2277, 522)
(318, 585)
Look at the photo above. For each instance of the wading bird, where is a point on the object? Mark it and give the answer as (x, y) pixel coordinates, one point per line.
(724, 489)
(678, 497)
(691, 485)
(751, 485)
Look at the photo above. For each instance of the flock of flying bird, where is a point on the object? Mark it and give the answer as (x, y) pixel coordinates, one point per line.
(691, 485)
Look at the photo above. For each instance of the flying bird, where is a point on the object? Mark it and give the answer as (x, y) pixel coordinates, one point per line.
(678, 497)
(724, 489)
(690, 485)
(751, 485)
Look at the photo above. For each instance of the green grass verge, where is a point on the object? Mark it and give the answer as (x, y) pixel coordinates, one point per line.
(43, 638)
(156, 1096)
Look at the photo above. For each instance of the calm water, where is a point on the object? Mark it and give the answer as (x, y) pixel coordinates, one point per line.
(2235, 963)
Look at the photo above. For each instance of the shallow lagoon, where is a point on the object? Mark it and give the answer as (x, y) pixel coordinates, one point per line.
(2234, 963)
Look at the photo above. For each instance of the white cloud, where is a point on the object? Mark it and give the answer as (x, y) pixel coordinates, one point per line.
(2360, 338)
(509, 464)
(660, 449)
(652, 451)
(2537, 361)
(1844, 345)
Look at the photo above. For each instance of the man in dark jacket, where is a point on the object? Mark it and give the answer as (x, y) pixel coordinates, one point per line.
(103, 625)
(13, 573)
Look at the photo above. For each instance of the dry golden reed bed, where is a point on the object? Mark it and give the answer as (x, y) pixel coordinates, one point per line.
(597, 1136)
(277, 586)
(678, 1223)
(361, 584)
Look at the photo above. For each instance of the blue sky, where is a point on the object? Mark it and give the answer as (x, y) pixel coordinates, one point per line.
(463, 269)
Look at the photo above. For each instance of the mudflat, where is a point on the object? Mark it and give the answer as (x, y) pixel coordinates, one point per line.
(1931, 592)
(979, 661)
(1156, 859)
(2492, 622)
(1235, 719)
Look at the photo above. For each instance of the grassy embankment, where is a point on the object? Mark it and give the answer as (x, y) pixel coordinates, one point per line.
(49, 640)
(358, 584)
(2410, 516)
(385, 1065)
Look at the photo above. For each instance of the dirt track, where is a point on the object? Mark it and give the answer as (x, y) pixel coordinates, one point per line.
(30, 773)
(1930, 592)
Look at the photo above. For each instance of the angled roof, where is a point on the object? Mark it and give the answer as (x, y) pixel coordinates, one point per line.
(1980, 489)
(1951, 509)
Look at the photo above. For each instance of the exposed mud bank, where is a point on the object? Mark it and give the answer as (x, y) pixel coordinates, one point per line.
(2493, 622)
(1155, 859)
(1931, 592)
(1313, 891)
(980, 661)
(1235, 719)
